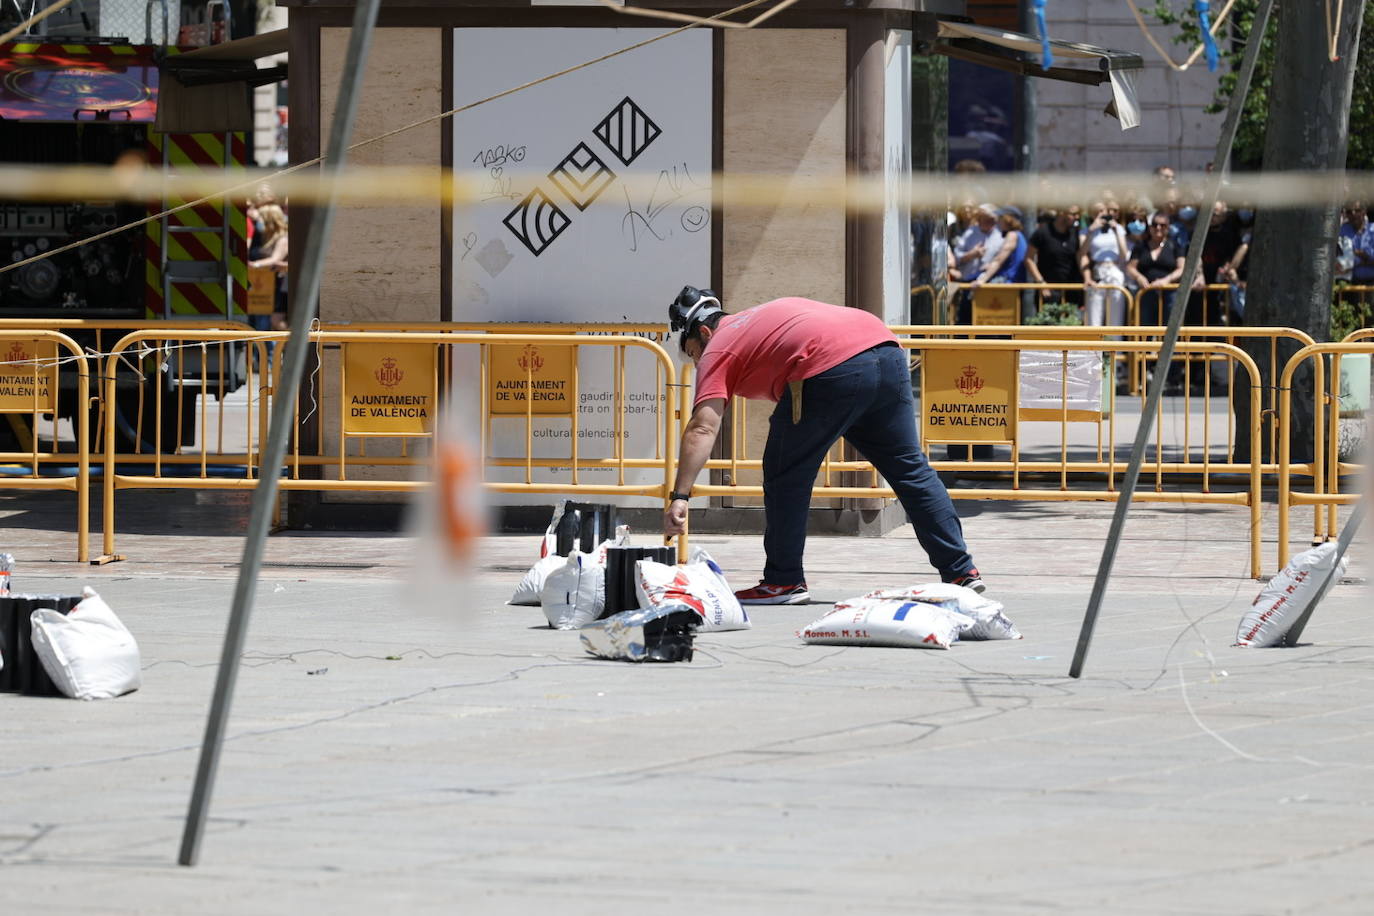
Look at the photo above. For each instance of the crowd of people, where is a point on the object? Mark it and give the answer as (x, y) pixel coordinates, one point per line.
(1110, 251)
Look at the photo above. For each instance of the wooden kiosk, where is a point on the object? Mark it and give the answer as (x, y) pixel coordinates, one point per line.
(822, 89)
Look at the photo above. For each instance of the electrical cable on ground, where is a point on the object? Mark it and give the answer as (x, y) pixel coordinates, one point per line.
(1191, 267)
(263, 506)
(259, 660)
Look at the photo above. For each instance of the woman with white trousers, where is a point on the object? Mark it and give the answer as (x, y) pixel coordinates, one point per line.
(1102, 257)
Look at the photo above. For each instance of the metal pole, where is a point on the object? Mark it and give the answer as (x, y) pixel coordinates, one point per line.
(283, 413)
(1166, 348)
(1352, 526)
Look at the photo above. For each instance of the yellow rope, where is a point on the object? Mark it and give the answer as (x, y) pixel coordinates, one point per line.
(696, 20)
(1333, 29)
(386, 185)
(1197, 52)
(377, 139)
(22, 27)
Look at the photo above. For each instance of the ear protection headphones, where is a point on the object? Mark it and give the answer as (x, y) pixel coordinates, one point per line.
(691, 307)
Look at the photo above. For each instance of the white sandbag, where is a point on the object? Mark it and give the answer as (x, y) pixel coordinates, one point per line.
(528, 591)
(574, 594)
(88, 653)
(989, 621)
(575, 583)
(698, 585)
(1280, 603)
(880, 622)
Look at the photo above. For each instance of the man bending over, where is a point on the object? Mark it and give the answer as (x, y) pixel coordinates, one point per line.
(832, 372)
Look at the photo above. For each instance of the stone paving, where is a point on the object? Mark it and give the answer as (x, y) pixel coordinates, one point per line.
(446, 753)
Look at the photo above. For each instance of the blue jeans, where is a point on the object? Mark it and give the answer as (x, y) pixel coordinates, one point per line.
(867, 400)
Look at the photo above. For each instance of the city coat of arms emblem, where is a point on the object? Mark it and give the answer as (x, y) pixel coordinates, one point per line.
(530, 360)
(970, 383)
(389, 374)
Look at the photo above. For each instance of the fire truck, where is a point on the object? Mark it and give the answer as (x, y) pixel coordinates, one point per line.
(97, 102)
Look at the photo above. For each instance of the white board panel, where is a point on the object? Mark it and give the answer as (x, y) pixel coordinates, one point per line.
(562, 236)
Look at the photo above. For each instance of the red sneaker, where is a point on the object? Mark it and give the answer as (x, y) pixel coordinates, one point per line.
(971, 579)
(763, 593)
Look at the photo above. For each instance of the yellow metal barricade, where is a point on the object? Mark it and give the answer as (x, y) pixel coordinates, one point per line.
(1327, 469)
(1041, 290)
(1138, 365)
(387, 385)
(109, 330)
(1202, 470)
(95, 335)
(223, 450)
(650, 330)
(35, 366)
(1212, 292)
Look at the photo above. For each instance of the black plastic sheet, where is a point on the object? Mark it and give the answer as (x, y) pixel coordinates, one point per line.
(620, 575)
(584, 526)
(23, 672)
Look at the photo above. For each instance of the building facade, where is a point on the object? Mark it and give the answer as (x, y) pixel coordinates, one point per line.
(1073, 134)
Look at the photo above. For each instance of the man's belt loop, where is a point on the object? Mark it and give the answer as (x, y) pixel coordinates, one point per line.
(796, 389)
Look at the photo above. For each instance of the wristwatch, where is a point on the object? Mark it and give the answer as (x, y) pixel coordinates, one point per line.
(675, 496)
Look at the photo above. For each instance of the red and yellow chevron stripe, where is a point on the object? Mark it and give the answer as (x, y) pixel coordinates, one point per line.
(93, 52)
(185, 152)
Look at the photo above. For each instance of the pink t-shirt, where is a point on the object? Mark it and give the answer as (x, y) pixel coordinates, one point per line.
(755, 353)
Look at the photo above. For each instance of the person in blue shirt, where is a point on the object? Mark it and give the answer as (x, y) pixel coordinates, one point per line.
(1181, 229)
(1358, 229)
(1008, 264)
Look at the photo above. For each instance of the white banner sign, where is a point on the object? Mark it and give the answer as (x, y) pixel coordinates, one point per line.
(1047, 374)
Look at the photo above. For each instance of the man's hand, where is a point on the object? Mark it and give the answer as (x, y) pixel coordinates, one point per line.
(675, 518)
(697, 440)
